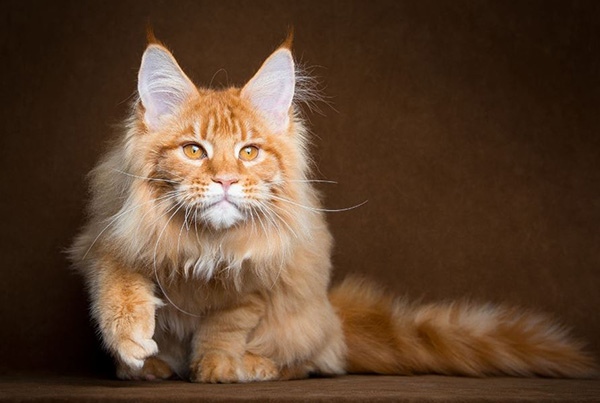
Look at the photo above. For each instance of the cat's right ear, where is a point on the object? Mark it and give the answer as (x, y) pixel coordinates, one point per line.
(162, 85)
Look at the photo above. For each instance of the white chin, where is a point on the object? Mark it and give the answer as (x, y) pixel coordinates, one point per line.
(222, 215)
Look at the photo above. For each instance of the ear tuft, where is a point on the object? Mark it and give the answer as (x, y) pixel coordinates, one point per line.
(271, 90)
(162, 85)
(150, 37)
(289, 39)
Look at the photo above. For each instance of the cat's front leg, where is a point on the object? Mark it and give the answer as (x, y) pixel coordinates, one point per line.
(124, 307)
(220, 346)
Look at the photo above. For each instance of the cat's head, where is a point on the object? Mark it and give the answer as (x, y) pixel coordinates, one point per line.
(223, 155)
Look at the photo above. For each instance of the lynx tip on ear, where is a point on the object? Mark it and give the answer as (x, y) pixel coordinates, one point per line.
(150, 37)
(289, 39)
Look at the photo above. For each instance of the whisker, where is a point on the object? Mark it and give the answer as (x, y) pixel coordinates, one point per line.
(281, 218)
(303, 181)
(277, 276)
(187, 212)
(196, 225)
(164, 292)
(262, 225)
(144, 177)
(271, 220)
(315, 209)
(267, 211)
(163, 202)
(252, 220)
(181, 230)
(176, 175)
(273, 214)
(164, 197)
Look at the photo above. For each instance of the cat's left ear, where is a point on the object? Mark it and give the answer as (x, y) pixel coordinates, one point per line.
(271, 90)
(162, 85)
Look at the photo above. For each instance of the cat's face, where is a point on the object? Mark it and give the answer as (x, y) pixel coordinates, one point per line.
(223, 155)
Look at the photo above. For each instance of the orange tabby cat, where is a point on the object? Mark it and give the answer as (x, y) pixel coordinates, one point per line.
(207, 254)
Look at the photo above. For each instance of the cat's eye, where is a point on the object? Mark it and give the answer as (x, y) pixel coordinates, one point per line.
(194, 151)
(248, 153)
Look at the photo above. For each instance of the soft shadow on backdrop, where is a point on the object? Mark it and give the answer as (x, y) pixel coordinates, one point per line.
(470, 126)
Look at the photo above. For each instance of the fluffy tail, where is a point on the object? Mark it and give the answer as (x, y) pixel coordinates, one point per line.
(388, 336)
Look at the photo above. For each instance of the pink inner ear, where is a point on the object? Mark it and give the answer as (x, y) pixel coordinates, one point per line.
(162, 85)
(271, 90)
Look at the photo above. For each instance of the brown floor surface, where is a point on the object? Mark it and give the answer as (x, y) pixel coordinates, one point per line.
(348, 388)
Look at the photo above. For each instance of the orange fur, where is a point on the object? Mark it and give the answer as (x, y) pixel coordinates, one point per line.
(390, 336)
(177, 288)
(150, 37)
(289, 39)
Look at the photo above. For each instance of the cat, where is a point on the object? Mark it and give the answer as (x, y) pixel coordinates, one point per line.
(207, 255)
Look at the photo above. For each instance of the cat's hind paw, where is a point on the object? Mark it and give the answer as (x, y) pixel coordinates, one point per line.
(154, 369)
(217, 367)
(222, 367)
(259, 368)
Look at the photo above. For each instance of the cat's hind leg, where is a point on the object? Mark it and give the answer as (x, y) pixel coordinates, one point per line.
(220, 346)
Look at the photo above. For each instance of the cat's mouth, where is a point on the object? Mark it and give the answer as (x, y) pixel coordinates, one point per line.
(224, 202)
(222, 213)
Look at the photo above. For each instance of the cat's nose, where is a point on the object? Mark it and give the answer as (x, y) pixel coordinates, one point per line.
(225, 181)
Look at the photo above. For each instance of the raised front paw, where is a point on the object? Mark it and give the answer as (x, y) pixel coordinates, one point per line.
(134, 349)
(128, 333)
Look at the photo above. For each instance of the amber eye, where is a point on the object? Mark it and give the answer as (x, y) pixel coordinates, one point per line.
(194, 151)
(248, 153)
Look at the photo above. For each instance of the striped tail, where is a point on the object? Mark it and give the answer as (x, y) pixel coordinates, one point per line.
(389, 336)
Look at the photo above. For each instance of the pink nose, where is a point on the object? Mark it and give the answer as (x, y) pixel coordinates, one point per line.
(225, 181)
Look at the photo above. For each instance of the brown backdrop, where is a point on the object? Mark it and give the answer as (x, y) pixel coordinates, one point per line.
(470, 126)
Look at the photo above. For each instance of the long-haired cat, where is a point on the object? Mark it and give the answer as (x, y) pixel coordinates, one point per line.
(207, 255)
